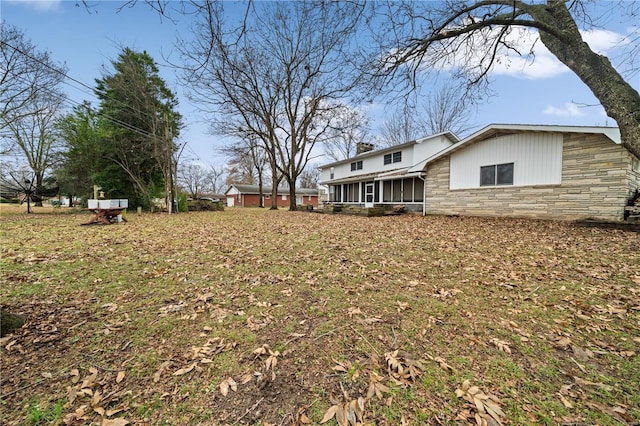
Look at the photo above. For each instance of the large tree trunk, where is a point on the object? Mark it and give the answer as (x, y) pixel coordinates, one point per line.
(261, 195)
(274, 187)
(293, 206)
(618, 98)
(39, 179)
(274, 198)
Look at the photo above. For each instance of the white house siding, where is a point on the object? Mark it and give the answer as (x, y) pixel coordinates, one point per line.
(426, 148)
(537, 159)
(596, 182)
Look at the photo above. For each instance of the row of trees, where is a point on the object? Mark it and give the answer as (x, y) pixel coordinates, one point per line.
(279, 82)
(127, 145)
(281, 79)
(30, 103)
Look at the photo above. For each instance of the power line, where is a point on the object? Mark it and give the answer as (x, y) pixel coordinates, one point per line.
(128, 126)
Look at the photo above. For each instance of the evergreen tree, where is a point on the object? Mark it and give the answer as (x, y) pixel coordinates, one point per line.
(139, 128)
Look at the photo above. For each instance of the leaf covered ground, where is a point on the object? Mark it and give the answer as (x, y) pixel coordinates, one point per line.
(257, 317)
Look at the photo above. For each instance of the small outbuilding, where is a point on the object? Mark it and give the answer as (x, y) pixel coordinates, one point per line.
(243, 195)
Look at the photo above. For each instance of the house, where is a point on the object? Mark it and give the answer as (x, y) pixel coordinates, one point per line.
(537, 171)
(241, 195)
(382, 177)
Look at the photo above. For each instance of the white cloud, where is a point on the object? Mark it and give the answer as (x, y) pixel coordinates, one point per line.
(568, 110)
(41, 6)
(601, 41)
(542, 63)
(535, 61)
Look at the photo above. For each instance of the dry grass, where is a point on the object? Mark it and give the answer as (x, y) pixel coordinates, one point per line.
(148, 320)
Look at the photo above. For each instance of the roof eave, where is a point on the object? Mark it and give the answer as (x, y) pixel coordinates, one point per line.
(612, 133)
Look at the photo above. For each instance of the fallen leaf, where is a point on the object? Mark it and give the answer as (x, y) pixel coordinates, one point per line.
(96, 398)
(330, 413)
(583, 382)
(75, 376)
(488, 410)
(227, 384)
(443, 364)
(565, 401)
(114, 422)
(501, 345)
(581, 354)
(185, 370)
(120, 376)
(402, 306)
(88, 381)
(162, 369)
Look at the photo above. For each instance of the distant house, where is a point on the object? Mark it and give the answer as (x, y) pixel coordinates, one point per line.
(241, 195)
(382, 177)
(538, 171)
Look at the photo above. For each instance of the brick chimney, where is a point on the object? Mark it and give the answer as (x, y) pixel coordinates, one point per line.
(362, 147)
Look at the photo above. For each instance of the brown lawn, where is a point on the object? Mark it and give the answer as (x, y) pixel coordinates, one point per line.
(257, 317)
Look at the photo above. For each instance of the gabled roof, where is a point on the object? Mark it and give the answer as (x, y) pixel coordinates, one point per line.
(255, 189)
(494, 130)
(394, 148)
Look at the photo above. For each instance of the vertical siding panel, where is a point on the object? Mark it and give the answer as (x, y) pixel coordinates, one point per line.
(537, 159)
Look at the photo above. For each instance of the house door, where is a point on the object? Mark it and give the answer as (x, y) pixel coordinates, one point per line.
(368, 194)
(230, 201)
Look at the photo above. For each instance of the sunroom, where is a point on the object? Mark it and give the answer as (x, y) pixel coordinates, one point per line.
(380, 190)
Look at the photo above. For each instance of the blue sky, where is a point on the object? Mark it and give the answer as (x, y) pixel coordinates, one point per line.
(542, 92)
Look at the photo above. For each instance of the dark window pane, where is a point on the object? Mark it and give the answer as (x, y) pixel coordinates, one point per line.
(338, 193)
(386, 191)
(407, 190)
(359, 165)
(353, 166)
(397, 191)
(418, 190)
(397, 157)
(487, 175)
(387, 159)
(504, 174)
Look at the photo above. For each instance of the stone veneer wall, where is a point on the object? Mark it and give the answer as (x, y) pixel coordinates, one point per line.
(596, 181)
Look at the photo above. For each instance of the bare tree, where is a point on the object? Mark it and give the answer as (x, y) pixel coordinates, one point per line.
(310, 177)
(193, 178)
(215, 183)
(468, 38)
(402, 126)
(35, 135)
(239, 169)
(26, 74)
(274, 75)
(348, 126)
(248, 163)
(445, 110)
